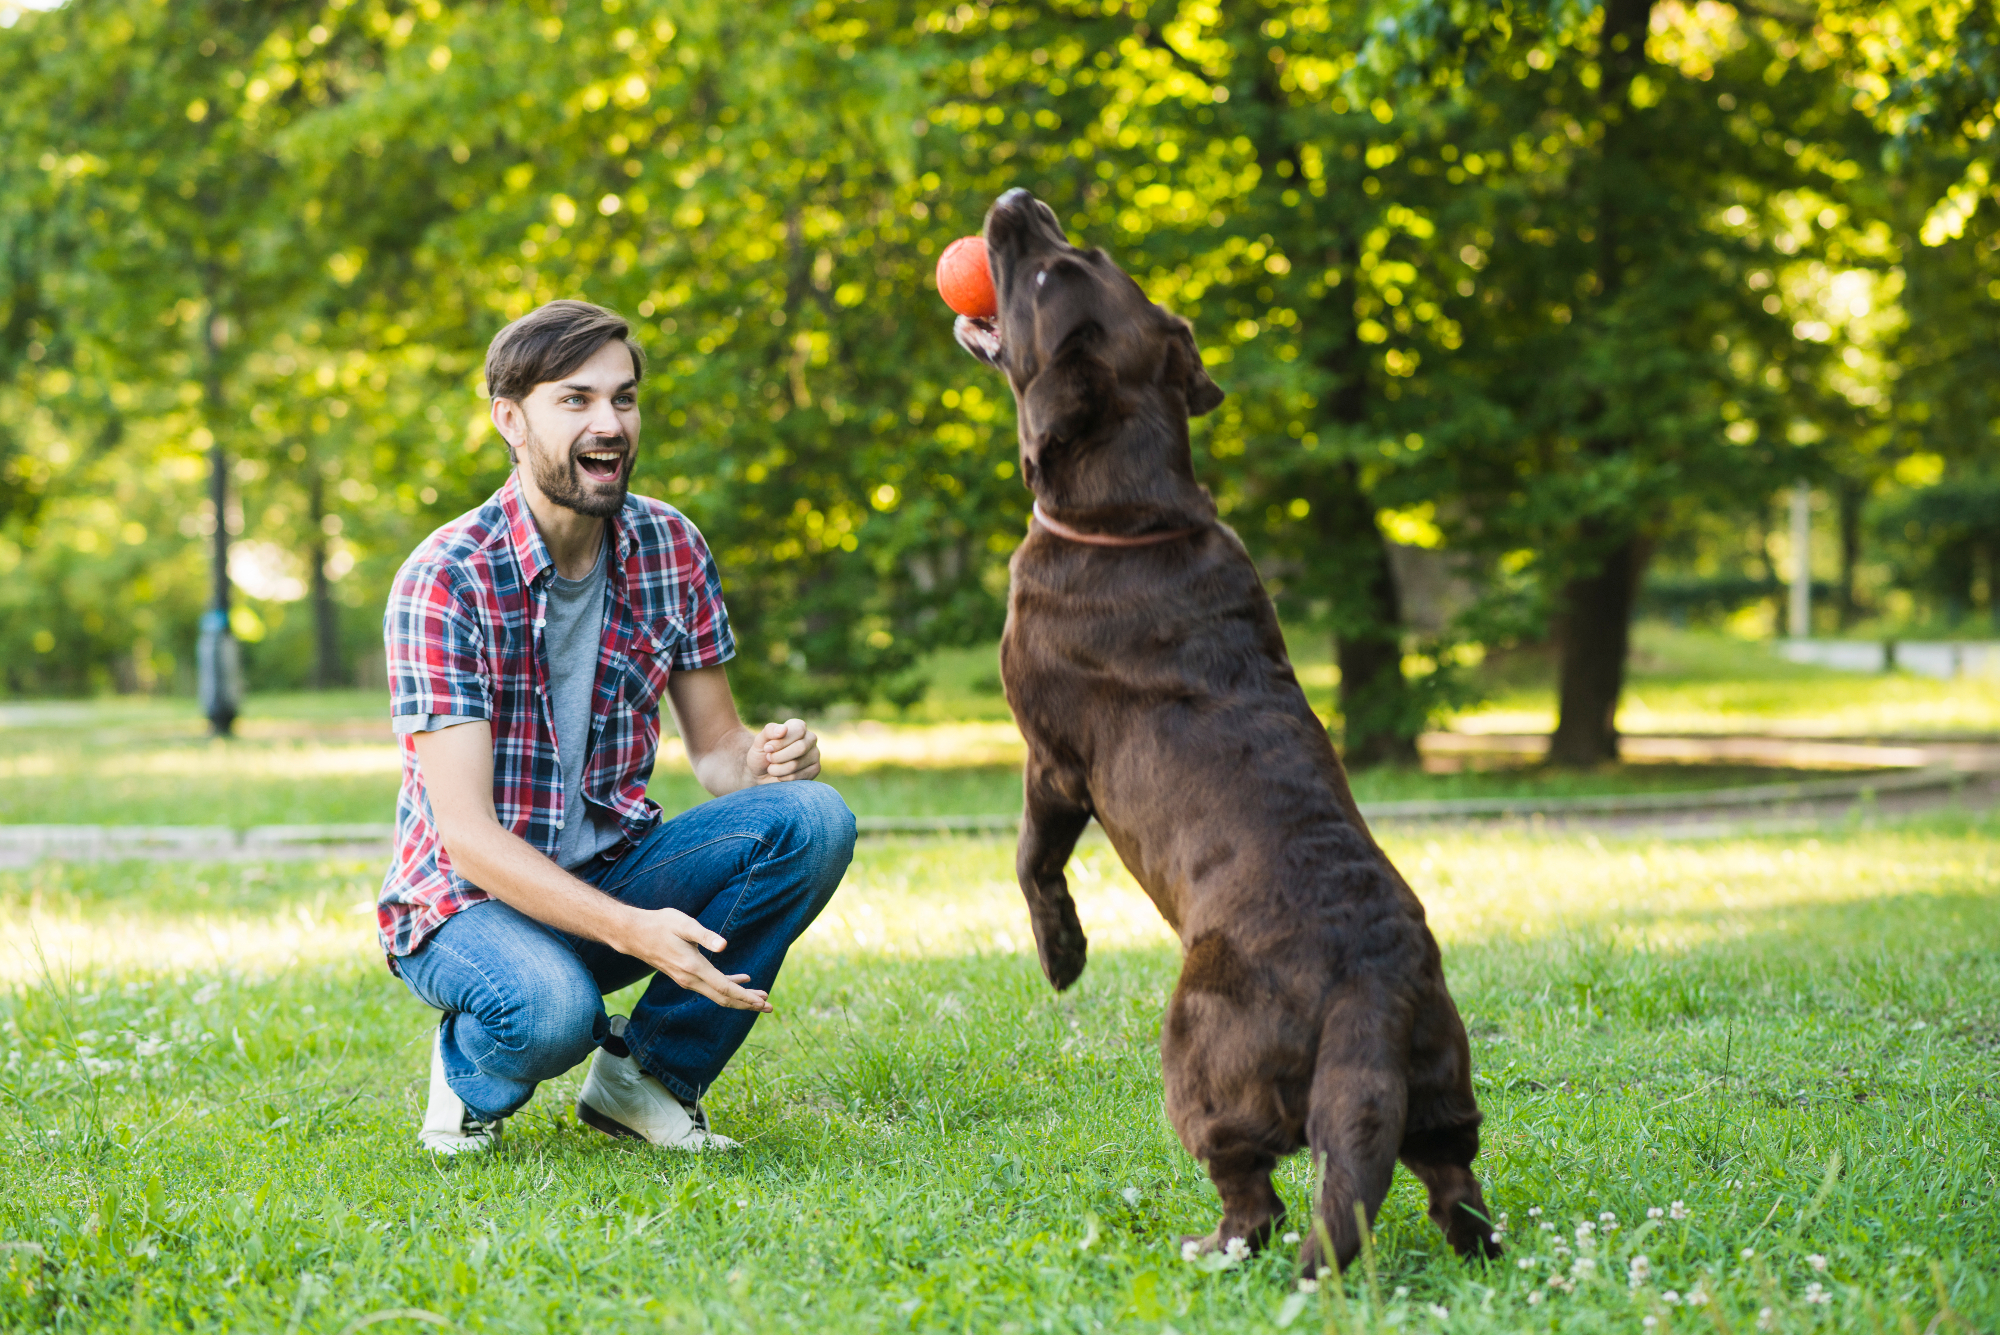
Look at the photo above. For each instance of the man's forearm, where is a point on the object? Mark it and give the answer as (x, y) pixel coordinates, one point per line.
(507, 867)
(725, 766)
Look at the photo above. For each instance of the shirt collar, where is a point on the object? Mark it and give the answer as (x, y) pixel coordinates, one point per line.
(532, 554)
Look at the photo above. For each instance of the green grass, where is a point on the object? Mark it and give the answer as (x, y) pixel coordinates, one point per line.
(1698, 681)
(303, 759)
(208, 1098)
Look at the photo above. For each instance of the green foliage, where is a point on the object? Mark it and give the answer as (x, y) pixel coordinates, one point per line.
(1477, 280)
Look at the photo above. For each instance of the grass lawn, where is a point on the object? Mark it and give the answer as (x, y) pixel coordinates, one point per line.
(1786, 1047)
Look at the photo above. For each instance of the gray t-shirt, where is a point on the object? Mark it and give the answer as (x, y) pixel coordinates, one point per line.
(571, 638)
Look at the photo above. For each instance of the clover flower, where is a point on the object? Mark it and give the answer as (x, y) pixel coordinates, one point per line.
(1535, 1298)
(1190, 1250)
(1440, 1311)
(1290, 1238)
(1817, 1262)
(1749, 1253)
(1308, 1286)
(1817, 1292)
(1766, 1318)
(1678, 1210)
(1655, 1212)
(1236, 1249)
(1638, 1270)
(1670, 1297)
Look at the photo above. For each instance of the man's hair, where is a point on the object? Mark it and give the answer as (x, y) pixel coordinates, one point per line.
(551, 341)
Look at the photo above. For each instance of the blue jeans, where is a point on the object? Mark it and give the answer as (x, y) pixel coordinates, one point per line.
(524, 1002)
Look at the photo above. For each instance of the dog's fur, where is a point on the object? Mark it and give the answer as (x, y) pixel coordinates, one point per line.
(1152, 686)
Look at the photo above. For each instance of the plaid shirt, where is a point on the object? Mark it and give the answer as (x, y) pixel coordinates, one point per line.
(464, 636)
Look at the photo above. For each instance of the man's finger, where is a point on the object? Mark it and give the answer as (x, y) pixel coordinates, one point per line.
(791, 751)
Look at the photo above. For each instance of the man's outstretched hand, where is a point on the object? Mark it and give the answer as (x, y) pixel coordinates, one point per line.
(672, 942)
(783, 751)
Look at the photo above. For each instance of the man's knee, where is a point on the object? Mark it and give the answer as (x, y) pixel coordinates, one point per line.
(810, 821)
(544, 1028)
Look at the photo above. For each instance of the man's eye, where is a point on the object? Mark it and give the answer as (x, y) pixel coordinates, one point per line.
(572, 398)
(626, 400)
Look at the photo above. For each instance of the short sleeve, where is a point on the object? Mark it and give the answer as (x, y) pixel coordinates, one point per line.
(708, 641)
(435, 647)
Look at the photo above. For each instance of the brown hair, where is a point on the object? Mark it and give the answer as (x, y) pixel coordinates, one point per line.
(551, 341)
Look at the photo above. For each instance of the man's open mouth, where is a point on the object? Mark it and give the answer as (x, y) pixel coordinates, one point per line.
(601, 465)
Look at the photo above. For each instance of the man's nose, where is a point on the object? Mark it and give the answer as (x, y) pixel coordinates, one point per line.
(604, 420)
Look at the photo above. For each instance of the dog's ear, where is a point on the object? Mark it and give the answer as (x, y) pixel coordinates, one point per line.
(1185, 371)
(1071, 395)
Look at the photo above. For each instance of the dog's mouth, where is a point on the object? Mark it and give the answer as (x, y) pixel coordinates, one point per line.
(1019, 228)
(602, 463)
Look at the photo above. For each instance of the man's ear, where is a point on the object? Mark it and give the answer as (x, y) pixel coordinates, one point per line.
(1070, 396)
(1185, 371)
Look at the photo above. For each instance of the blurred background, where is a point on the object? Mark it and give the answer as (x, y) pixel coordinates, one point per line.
(1537, 322)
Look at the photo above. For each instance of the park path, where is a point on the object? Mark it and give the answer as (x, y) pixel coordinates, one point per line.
(1889, 779)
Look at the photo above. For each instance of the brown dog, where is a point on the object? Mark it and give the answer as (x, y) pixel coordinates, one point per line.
(1143, 661)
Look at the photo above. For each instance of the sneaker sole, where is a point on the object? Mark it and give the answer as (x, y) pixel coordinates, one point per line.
(590, 1117)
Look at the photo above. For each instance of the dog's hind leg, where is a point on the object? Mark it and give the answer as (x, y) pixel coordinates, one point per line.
(1359, 1102)
(1442, 1135)
(1050, 824)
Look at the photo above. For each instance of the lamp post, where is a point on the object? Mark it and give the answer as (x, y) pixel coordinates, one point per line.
(218, 664)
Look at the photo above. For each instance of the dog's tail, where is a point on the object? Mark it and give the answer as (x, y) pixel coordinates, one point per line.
(1360, 1102)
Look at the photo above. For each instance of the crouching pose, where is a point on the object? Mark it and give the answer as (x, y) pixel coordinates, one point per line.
(530, 645)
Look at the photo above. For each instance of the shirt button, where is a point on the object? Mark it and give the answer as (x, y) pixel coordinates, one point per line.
(559, 825)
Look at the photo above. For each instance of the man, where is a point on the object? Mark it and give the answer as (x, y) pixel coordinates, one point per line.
(530, 645)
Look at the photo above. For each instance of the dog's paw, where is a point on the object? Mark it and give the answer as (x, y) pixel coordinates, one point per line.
(1063, 962)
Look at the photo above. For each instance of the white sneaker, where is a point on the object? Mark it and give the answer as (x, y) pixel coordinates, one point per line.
(449, 1126)
(621, 1100)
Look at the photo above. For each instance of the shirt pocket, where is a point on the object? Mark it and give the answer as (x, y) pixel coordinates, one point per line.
(650, 661)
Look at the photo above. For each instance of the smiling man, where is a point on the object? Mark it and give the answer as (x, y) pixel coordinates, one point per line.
(530, 644)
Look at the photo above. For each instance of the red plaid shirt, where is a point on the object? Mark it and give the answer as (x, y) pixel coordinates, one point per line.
(464, 636)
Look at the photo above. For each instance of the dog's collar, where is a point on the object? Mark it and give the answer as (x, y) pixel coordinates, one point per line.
(1062, 530)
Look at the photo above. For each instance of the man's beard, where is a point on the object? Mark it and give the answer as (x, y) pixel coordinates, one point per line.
(563, 480)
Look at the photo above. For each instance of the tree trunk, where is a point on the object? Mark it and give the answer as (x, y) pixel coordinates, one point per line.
(327, 673)
(1849, 499)
(1381, 720)
(1593, 640)
(1595, 629)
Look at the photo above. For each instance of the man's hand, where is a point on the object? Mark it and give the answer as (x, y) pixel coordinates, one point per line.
(672, 942)
(783, 751)
(724, 754)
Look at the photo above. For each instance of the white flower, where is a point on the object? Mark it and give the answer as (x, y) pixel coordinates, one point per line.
(1584, 1266)
(1290, 1238)
(1639, 1270)
(1749, 1253)
(1534, 1210)
(1697, 1297)
(1190, 1250)
(1816, 1261)
(1765, 1318)
(1535, 1298)
(1131, 1195)
(1402, 1291)
(1525, 1263)
(1546, 1226)
(1606, 1218)
(1816, 1292)
(1584, 1230)
(1236, 1249)
(1439, 1311)
(1670, 1297)
(1308, 1286)
(1678, 1210)
(1655, 1212)
(1650, 1322)
(1496, 1235)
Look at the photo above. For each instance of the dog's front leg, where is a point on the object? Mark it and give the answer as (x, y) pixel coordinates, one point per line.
(1049, 829)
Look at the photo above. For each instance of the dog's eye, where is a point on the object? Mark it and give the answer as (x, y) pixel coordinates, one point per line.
(1041, 277)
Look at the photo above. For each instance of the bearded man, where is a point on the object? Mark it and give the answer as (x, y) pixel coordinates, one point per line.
(531, 643)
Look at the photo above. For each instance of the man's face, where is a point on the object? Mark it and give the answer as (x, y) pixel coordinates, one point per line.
(577, 437)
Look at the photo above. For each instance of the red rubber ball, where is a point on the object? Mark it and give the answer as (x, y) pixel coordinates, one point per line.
(963, 279)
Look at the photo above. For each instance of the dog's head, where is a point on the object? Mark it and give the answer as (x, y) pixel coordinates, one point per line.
(1087, 355)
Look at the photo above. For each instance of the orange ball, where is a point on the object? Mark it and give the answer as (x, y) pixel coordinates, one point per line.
(963, 279)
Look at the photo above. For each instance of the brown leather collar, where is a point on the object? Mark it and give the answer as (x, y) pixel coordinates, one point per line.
(1062, 530)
